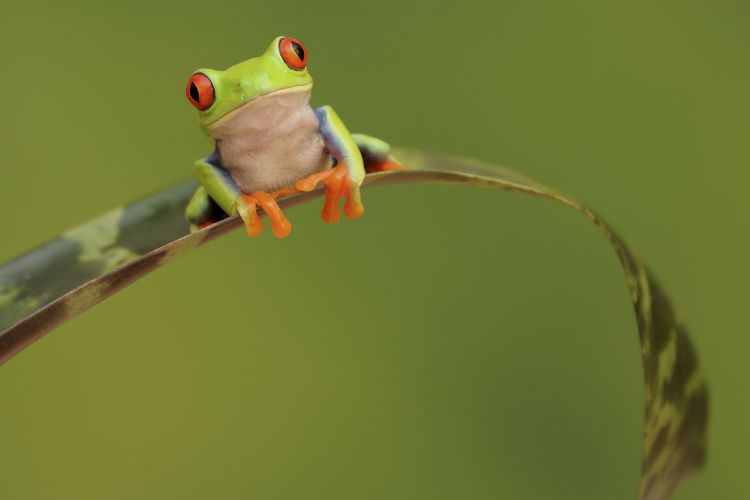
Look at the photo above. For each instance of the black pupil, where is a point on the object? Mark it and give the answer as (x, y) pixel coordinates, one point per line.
(194, 92)
(299, 50)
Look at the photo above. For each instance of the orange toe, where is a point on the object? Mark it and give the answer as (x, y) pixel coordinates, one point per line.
(353, 207)
(248, 210)
(335, 184)
(338, 186)
(280, 225)
(283, 192)
(249, 213)
(311, 182)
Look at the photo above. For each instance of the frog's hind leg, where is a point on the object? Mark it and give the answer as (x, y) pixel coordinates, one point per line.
(373, 150)
(202, 211)
(376, 154)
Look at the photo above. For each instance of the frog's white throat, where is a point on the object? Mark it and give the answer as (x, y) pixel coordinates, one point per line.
(272, 141)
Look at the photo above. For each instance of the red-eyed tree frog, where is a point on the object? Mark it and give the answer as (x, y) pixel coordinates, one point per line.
(269, 142)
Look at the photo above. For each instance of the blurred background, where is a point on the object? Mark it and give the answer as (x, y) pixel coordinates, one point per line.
(453, 343)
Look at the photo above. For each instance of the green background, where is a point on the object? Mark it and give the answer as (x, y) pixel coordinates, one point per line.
(455, 342)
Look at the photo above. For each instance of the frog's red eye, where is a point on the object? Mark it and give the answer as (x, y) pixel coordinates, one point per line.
(293, 53)
(200, 91)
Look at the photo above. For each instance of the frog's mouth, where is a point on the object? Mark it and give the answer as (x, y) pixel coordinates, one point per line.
(253, 104)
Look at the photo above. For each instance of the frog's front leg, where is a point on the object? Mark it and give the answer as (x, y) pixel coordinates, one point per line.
(346, 177)
(220, 186)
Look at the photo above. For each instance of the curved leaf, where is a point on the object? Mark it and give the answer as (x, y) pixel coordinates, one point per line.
(63, 278)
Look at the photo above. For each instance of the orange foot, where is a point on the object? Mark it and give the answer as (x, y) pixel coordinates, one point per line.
(248, 210)
(384, 166)
(338, 185)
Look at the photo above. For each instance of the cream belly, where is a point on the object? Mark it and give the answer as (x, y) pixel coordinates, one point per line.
(272, 141)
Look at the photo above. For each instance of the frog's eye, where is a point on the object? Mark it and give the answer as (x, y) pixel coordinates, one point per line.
(200, 91)
(293, 53)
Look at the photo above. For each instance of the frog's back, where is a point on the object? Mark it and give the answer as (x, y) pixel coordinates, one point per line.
(271, 142)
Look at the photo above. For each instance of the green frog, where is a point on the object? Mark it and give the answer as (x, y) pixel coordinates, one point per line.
(270, 143)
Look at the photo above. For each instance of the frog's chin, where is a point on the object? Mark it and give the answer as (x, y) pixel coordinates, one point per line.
(247, 106)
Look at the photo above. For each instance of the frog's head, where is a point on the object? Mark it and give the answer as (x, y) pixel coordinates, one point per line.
(216, 93)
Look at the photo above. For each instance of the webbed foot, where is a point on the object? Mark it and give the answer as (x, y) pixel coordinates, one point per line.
(247, 207)
(338, 185)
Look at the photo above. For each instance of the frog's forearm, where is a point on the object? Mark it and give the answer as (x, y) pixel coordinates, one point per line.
(340, 143)
(219, 185)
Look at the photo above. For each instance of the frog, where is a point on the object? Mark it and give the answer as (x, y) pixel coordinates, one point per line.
(269, 143)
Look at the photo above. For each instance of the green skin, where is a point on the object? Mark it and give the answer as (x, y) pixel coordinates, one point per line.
(235, 90)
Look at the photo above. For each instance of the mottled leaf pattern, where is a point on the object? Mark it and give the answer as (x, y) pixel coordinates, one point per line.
(59, 280)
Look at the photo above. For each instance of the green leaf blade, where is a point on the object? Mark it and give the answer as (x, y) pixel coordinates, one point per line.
(63, 278)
